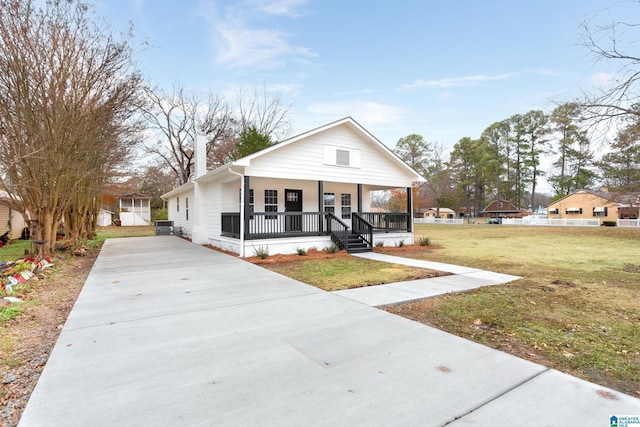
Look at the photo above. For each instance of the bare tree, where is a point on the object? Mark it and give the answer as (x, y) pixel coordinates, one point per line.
(613, 42)
(264, 113)
(67, 93)
(178, 116)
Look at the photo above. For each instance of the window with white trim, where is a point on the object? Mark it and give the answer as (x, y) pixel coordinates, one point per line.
(271, 202)
(178, 204)
(329, 202)
(186, 208)
(345, 200)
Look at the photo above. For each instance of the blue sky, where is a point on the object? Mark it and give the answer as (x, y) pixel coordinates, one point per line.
(443, 69)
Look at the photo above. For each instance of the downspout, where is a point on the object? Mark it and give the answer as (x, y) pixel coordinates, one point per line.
(242, 190)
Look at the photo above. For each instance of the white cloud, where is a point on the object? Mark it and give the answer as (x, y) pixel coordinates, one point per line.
(366, 112)
(602, 79)
(459, 81)
(238, 45)
(282, 7)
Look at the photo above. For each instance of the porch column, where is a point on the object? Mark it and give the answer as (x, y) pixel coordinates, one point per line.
(410, 209)
(246, 215)
(320, 206)
(359, 198)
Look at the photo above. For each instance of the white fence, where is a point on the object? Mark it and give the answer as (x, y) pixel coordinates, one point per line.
(432, 220)
(629, 223)
(536, 220)
(559, 222)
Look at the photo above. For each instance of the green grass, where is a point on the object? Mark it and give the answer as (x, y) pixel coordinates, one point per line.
(116, 232)
(18, 248)
(575, 308)
(347, 272)
(9, 313)
(15, 250)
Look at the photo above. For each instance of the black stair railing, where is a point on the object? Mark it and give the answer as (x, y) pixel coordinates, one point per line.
(362, 228)
(338, 230)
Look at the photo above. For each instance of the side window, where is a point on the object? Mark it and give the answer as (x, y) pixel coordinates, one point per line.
(178, 204)
(186, 208)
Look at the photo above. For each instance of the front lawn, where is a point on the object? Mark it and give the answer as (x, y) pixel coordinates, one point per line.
(333, 272)
(576, 308)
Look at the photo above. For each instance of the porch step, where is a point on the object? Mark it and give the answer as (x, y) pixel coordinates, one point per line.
(355, 244)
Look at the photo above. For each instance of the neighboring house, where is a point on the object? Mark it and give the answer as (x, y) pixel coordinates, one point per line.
(596, 204)
(305, 192)
(105, 218)
(135, 209)
(442, 213)
(10, 218)
(500, 209)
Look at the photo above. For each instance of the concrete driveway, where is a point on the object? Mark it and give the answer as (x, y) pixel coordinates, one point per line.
(168, 333)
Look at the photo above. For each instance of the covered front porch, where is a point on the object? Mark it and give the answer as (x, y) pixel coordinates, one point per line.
(313, 215)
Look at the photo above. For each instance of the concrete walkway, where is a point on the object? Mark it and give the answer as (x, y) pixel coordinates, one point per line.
(463, 278)
(168, 333)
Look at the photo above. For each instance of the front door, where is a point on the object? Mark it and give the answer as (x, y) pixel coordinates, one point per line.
(293, 203)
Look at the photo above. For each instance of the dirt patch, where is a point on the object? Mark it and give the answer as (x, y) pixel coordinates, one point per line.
(26, 341)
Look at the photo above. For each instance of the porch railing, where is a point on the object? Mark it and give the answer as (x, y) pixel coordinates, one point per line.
(363, 228)
(265, 225)
(386, 222)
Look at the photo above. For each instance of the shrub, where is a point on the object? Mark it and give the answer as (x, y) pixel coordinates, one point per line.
(400, 243)
(609, 223)
(161, 215)
(301, 251)
(331, 249)
(261, 251)
(379, 243)
(424, 241)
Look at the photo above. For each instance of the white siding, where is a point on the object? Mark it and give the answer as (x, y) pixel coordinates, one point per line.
(177, 211)
(305, 159)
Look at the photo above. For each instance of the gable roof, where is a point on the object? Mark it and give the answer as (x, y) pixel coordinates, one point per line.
(355, 126)
(507, 206)
(228, 169)
(619, 198)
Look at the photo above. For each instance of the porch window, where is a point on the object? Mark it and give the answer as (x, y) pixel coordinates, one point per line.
(178, 204)
(342, 157)
(330, 202)
(346, 206)
(186, 208)
(271, 202)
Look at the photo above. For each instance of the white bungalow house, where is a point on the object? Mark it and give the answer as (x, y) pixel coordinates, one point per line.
(135, 209)
(305, 192)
